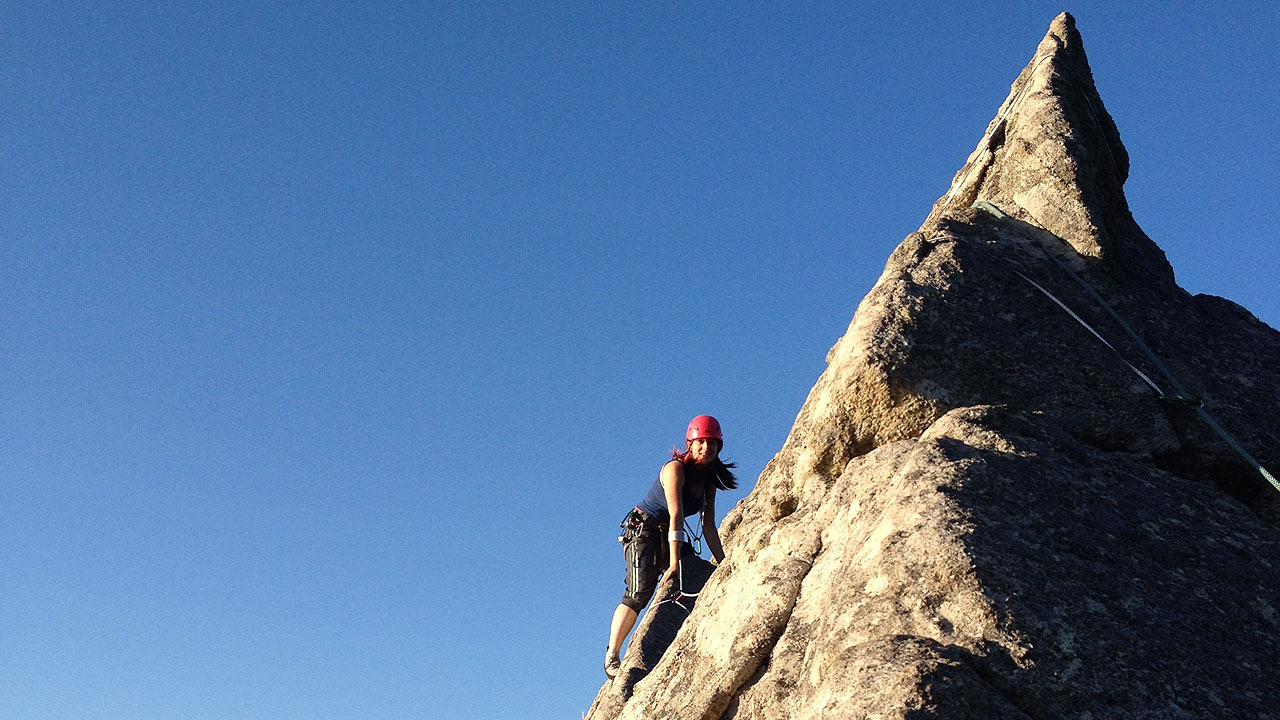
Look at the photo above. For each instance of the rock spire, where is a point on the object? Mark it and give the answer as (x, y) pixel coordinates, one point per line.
(1053, 156)
(983, 510)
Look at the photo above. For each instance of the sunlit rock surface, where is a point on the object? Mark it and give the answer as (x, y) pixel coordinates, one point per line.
(982, 510)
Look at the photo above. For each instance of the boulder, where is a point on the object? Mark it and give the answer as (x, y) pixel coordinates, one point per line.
(1002, 497)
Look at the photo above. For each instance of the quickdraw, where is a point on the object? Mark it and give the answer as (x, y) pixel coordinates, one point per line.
(696, 542)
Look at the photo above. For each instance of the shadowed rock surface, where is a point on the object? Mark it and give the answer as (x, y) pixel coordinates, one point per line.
(982, 510)
(654, 634)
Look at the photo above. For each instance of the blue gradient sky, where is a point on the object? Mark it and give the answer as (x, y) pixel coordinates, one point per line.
(336, 338)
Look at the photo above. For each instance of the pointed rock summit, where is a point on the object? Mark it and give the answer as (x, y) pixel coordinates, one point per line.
(1006, 496)
(1053, 156)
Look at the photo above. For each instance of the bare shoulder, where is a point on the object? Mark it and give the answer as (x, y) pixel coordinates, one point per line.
(673, 471)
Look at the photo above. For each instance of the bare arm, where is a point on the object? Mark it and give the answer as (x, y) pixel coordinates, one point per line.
(709, 529)
(672, 483)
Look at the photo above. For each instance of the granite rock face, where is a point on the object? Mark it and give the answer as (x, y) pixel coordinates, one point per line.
(985, 510)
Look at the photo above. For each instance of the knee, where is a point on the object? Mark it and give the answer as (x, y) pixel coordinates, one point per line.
(636, 601)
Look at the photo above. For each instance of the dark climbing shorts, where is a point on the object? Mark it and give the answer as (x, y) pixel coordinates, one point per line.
(645, 547)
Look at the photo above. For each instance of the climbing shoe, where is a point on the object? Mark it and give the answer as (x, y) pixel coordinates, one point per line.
(612, 663)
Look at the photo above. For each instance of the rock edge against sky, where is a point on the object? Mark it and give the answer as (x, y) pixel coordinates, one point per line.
(981, 510)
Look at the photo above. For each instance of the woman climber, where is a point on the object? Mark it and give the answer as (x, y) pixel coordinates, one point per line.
(686, 485)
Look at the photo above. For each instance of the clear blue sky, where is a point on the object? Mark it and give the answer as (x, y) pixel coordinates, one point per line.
(336, 338)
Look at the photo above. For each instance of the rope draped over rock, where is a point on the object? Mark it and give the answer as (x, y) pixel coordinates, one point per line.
(1180, 394)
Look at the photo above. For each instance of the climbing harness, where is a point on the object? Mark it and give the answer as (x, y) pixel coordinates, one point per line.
(632, 525)
(1180, 395)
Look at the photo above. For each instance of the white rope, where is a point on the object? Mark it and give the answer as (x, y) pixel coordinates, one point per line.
(680, 594)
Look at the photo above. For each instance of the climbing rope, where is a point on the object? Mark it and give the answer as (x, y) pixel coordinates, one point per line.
(1180, 393)
(680, 594)
(1160, 393)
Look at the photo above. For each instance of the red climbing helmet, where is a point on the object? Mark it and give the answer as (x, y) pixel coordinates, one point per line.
(703, 426)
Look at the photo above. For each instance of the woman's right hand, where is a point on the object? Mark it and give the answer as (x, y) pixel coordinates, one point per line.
(670, 573)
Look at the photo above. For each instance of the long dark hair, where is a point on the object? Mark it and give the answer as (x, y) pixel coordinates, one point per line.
(719, 470)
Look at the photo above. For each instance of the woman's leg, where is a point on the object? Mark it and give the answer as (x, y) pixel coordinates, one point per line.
(642, 556)
(624, 618)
